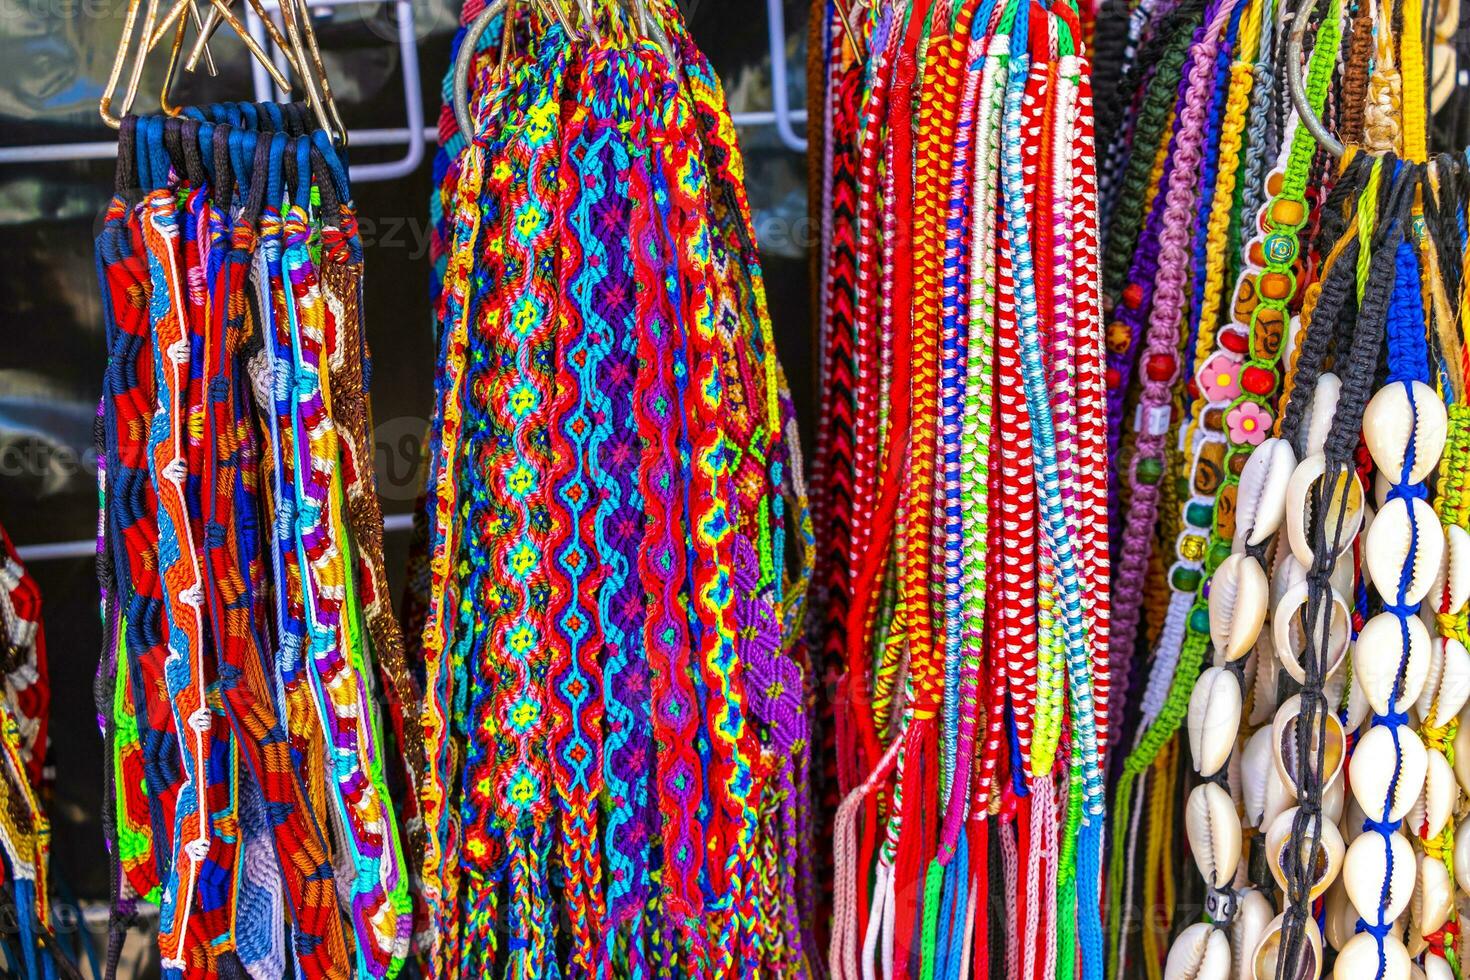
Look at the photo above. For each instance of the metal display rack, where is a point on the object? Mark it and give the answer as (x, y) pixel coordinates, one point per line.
(414, 136)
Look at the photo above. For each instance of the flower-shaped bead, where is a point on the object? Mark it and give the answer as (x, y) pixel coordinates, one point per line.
(1219, 377)
(1248, 423)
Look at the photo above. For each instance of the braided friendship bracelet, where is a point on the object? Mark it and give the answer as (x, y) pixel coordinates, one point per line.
(618, 740)
(23, 745)
(657, 372)
(245, 828)
(1164, 727)
(1008, 604)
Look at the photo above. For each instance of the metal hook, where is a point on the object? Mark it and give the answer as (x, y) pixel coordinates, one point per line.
(1295, 86)
(120, 58)
(650, 28)
(207, 29)
(300, 52)
(175, 17)
(552, 10)
(312, 71)
(259, 53)
(201, 44)
(845, 14)
(467, 45)
(588, 17)
(471, 41)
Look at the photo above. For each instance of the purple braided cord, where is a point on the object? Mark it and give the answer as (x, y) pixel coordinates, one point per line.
(1142, 273)
(1133, 316)
(1170, 293)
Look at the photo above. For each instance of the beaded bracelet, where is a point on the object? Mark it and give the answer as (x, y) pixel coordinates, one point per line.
(1200, 68)
(1197, 639)
(1160, 355)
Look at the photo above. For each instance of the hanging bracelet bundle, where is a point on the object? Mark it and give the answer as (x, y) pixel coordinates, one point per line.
(1116, 625)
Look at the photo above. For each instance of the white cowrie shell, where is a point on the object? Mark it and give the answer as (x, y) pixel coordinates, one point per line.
(1462, 855)
(1333, 798)
(1435, 968)
(1403, 413)
(1447, 687)
(1326, 860)
(1382, 487)
(1237, 593)
(1352, 821)
(1268, 950)
(1384, 774)
(1436, 804)
(1263, 692)
(1300, 496)
(1334, 688)
(1360, 958)
(1367, 867)
(1260, 502)
(1428, 616)
(1213, 830)
(1213, 720)
(1391, 661)
(1200, 953)
(1324, 409)
(1340, 919)
(1344, 574)
(1279, 796)
(1286, 729)
(1289, 631)
(1287, 573)
(1434, 898)
(1451, 587)
(1404, 932)
(1252, 916)
(1248, 673)
(1404, 529)
(1358, 707)
(1414, 942)
(1232, 775)
(1462, 751)
(1256, 765)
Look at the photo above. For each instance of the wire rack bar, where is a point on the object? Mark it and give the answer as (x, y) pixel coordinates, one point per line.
(415, 136)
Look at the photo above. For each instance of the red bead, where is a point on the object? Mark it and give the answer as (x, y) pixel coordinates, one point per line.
(1160, 367)
(1234, 341)
(1133, 295)
(1257, 380)
(1112, 377)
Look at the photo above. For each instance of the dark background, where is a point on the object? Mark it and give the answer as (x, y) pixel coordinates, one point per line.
(54, 57)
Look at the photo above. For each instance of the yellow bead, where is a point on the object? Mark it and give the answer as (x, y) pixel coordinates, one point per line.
(1288, 214)
(1274, 285)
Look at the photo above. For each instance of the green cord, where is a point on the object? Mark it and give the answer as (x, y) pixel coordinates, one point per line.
(1149, 132)
(933, 884)
(1197, 643)
(1065, 916)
